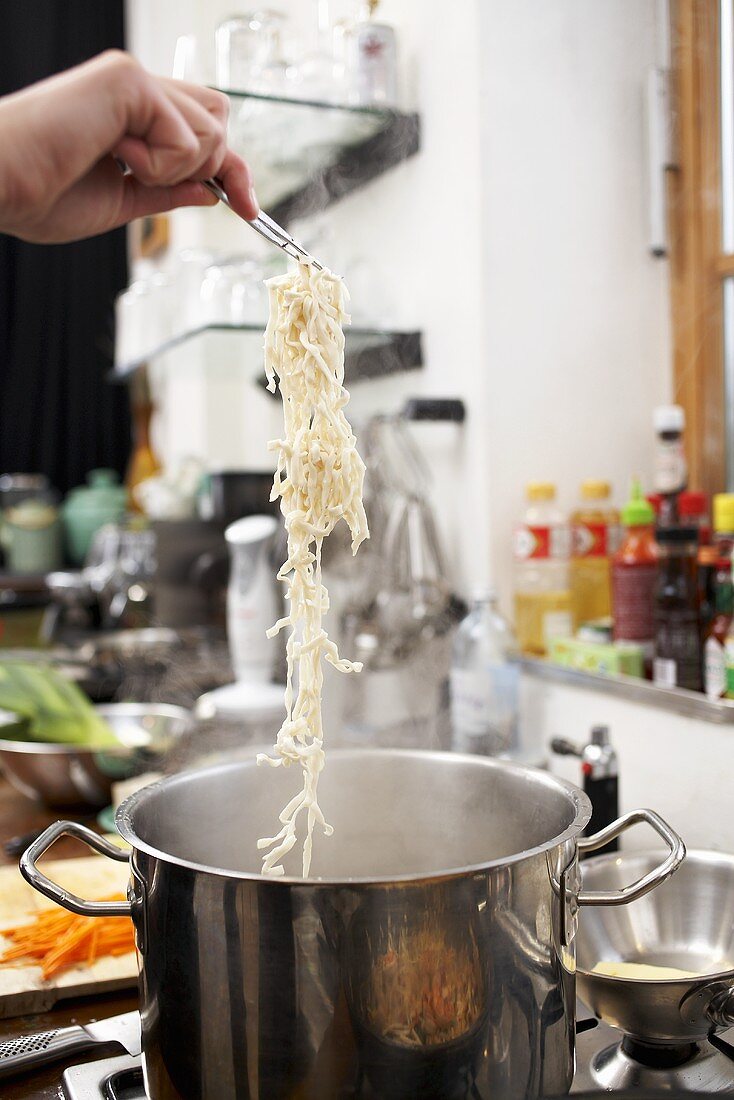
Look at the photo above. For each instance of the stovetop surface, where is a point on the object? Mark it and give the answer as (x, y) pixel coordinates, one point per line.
(603, 1069)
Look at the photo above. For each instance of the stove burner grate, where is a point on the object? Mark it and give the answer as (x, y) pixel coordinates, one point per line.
(128, 1084)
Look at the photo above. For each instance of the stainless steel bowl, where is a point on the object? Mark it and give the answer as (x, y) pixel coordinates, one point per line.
(67, 776)
(687, 924)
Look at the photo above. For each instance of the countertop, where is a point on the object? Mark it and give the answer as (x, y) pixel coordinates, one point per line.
(18, 815)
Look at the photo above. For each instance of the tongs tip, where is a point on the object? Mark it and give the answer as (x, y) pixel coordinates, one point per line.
(266, 227)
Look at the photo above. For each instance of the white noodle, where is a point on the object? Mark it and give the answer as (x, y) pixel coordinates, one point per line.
(319, 479)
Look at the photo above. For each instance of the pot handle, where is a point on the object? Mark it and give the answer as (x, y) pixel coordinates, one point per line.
(653, 878)
(52, 890)
(711, 1002)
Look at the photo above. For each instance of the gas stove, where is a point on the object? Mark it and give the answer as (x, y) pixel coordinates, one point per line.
(607, 1062)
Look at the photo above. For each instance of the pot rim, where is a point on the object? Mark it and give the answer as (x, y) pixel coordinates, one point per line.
(579, 800)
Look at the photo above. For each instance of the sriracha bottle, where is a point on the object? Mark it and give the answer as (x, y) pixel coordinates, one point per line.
(634, 576)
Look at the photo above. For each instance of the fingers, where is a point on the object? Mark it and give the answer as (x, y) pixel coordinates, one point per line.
(222, 162)
(167, 138)
(215, 102)
(62, 184)
(210, 130)
(237, 183)
(177, 131)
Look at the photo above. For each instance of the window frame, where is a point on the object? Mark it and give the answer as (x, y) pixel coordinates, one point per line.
(698, 263)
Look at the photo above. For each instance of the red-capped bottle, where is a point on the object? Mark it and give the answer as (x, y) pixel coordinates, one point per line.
(693, 511)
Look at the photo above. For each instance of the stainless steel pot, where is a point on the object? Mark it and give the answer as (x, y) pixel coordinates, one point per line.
(432, 958)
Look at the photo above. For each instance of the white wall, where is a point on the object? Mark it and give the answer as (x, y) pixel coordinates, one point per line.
(575, 324)
(515, 240)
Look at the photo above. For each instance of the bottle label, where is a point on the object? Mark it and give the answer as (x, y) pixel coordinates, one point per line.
(556, 624)
(594, 540)
(541, 542)
(714, 669)
(664, 672)
(678, 642)
(633, 600)
(671, 470)
(372, 58)
(484, 708)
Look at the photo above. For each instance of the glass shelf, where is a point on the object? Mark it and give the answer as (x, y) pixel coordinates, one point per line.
(305, 154)
(370, 353)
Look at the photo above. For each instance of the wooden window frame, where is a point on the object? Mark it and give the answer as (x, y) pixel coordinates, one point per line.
(698, 266)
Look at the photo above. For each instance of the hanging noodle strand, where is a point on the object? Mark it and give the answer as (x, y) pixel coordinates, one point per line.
(318, 478)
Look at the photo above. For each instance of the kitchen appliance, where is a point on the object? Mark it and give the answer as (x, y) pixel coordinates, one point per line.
(398, 612)
(599, 775)
(74, 606)
(191, 573)
(452, 869)
(32, 1051)
(402, 596)
(120, 567)
(64, 775)
(233, 494)
(654, 1078)
(122, 1078)
(23, 602)
(252, 599)
(668, 1030)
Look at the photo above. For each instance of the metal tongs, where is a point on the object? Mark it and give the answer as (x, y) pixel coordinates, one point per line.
(267, 228)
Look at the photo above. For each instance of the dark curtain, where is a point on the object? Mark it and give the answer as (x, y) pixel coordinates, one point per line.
(59, 415)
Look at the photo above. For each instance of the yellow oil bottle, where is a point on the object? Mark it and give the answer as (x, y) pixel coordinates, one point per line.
(594, 539)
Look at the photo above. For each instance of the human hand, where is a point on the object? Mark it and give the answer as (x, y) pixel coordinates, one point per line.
(58, 139)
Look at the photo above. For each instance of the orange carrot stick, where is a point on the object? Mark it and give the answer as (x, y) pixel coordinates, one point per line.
(57, 940)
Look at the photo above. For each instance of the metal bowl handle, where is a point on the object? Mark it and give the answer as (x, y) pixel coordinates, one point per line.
(653, 878)
(52, 890)
(721, 1008)
(710, 1003)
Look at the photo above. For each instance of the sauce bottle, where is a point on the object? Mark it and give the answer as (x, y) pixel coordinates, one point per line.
(542, 594)
(724, 524)
(144, 462)
(714, 648)
(709, 564)
(594, 538)
(634, 576)
(678, 651)
(693, 511)
(671, 468)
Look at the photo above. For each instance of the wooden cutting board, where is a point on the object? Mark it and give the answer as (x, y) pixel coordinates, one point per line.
(22, 989)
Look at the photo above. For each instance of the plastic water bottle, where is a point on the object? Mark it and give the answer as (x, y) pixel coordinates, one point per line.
(484, 683)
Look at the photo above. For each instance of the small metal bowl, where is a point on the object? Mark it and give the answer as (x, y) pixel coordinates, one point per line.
(66, 776)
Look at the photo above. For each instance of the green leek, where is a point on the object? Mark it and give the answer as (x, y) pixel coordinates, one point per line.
(54, 708)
